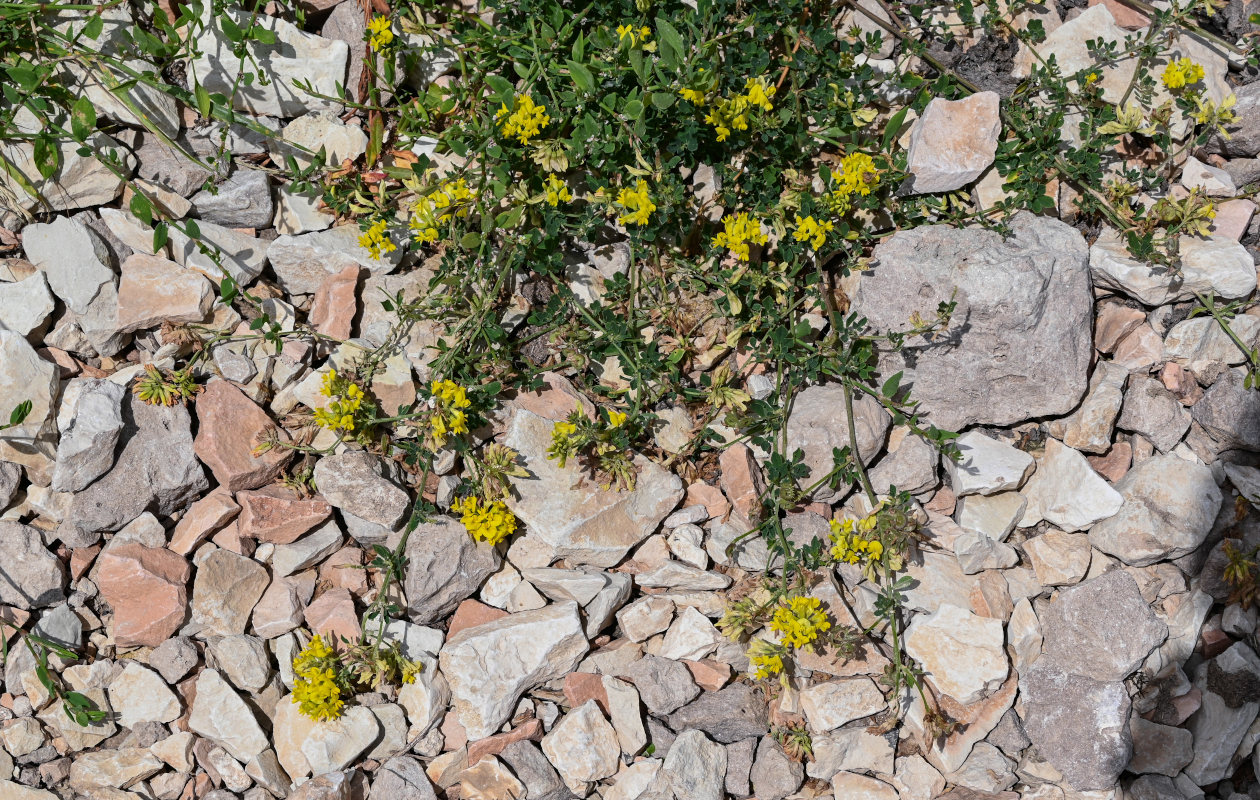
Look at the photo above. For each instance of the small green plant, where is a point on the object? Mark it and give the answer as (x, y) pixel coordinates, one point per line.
(166, 387)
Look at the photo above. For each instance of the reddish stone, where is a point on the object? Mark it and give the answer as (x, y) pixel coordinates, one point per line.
(1187, 704)
(711, 497)
(1140, 349)
(203, 518)
(1233, 218)
(741, 481)
(557, 401)
(277, 515)
(1114, 463)
(1115, 322)
(16, 618)
(1214, 642)
(335, 304)
(1126, 17)
(230, 426)
(582, 686)
(470, 614)
(943, 502)
(147, 589)
(333, 613)
(230, 538)
(990, 596)
(1181, 383)
(344, 570)
(531, 729)
(81, 559)
(453, 733)
(709, 674)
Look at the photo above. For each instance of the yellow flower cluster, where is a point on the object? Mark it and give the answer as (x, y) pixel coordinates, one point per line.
(451, 199)
(557, 191)
(767, 664)
(741, 232)
(731, 113)
(448, 417)
(315, 688)
(858, 175)
(635, 35)
(812, 231)
(346, 399)
(800, 621)
(486, 522)
(850, 542)
(693, 96)
(381, 33)
(376, 240)
(524, 120)
(637, 204)
(1180, 73)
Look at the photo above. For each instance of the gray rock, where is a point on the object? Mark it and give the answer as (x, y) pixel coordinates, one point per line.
(242, 659)
(62, 625)
(1230, 684)
(174, 658)
(1089, 428)
(1168, 511)
(354, 483)
(1159, 748)
(302, 262)
(727, 715)
(1216, 264)
(10, 481)
(72, 258)
(25, 376)
(163, 164)
(818, 424)
(910, 467)
(953, 142)
(774, 776)
(25, 304)
(307, 551)
(1101, 629)
(90, 421)
(532, 768)
(156, 471)
(80, 181)
(1244, 131)
(1008, 736)
(445, 566)
(739, 762)
(1027, 298)
(1230, 413)
(1155, 787)
(663, 685)
(1154, 412)
(1078, 724)
(242, 256)
(242, 201)
(985, 770)
(694, 769)
(30, 576)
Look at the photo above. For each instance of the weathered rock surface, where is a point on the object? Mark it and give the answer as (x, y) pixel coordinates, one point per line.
(818, 423)
(444, 567)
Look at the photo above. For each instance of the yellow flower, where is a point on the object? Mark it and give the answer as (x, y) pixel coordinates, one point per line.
(316, 689)
(741, 232)
(767, 665)
(448, 417)
(557, 191)
(634, 35)
(376, 240)
(451, 199)
(382, 35)
(759, 93)
(692, 96)
(616, 418)
(800, 621)
(486, 522)
(524, 120)
(346, 399)
(637, 204)
(858, 175)
(1180, 73)
(812, 231)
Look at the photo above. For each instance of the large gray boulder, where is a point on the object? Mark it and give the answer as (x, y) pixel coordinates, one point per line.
(1020, 341)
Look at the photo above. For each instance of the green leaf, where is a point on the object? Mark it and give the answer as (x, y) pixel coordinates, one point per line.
(661, 100)
(890, 130)
(633, 109)
(203, 101)
(891, 386)
(20, 412)
(92, 30)
(470, 241)
(161, 234)
(581, 76)
(672, 46)
(82, 119)
(142, 208)
(47, 156)
(501, 87)
(230, 29)
(191, 228)
(227, 289)
(376, 139)
(23, 75)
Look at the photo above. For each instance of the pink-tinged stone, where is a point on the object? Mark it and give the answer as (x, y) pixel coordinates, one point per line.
(1114, 463)
(203, 518)
(335, 304)
(582, 686)
(277, 515)
(709, 674)
(557, 401)
(230, 538)
(81, 559)
(741, 481)
(344, 570)
(1115, 322)
(1186, 705)
(147, 589)
(954, 142)
(333, 613)
(153, 290)
(990, 596)
(710, 497)
(530, 729)
(230, 426)
(453, 733)
(1232, 218)
(1214, 642)
(282, 607)
(943, 502)
(1140, 349)
(1181, 383)
(1126, 17)
(472, 613)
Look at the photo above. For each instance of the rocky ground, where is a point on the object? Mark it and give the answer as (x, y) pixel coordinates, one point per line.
(1068, 605)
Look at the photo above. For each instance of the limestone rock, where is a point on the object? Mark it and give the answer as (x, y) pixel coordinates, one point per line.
(219, 713)
(1089, 428)
(1217, 264)
(987, 466)
(583, 747)
(334, 745)
(1067, 492)
(228, 586)
(31, 576)
(1101, 629)
(1027, 297)
(230, 428)
(1229, 708)
(1154, 412)
(153, 291)
(354, 482)
(1230, 413)
(953, 142)
(24, 376)
(241, 201)
(828, 706)
(818, 423)
(961, 653)
(727, 715)
(90, 421)
(444, 567)
(694, 769)
(663, 685)
(141, 695)
(25, 304)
